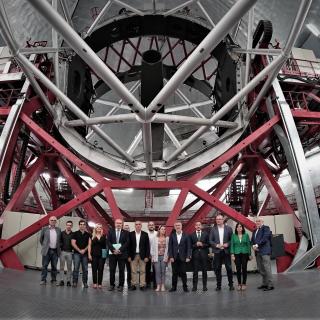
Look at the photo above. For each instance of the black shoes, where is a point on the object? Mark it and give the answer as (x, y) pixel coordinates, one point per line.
(185, 289)
(61, 283)
(74, 285)
(68, 284)
(120, 288)
(111, 288)
(132, 288)
(173, 289)
(194, 289)
(218, 288)
(231, 288)
(85, 285)
(262, 287)
(53, 281)
(205, 289)
(268, 288)
(142, 288)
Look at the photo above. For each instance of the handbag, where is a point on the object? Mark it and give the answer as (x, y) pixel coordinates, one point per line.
(104, 253)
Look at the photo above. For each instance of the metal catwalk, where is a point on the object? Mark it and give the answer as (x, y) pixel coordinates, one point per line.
(22, 297)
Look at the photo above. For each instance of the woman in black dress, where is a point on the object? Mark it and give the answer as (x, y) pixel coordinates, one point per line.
(96, 252)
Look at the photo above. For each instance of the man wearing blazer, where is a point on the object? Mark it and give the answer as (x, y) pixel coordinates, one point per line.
(139, 253)
(261, 244)
(118, 244)
(179, 254)
(200, 250)
(219, 239)
(50, 251)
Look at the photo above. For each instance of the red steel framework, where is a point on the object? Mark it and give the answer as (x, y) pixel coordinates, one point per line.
(252, 166)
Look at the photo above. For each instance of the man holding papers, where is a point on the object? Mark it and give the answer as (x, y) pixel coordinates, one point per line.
(118, 243)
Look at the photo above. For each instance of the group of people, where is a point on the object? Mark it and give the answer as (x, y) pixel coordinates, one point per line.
(146, 255)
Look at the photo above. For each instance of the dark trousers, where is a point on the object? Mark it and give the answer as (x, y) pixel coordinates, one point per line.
(77, 259)
(150, 274)
(199, 262)
(51, 257)
(97, 265)
(241, 261)
(179, 268)
(113, 261)
(220, 258)
(128, 269)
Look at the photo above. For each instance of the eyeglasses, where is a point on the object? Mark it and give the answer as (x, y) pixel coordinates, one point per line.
(53, 220)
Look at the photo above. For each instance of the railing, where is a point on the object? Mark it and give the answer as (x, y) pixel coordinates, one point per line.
(302, 68)
(9, 96)
(296, 99)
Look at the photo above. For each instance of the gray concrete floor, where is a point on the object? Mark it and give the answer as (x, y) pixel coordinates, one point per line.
(296, 296)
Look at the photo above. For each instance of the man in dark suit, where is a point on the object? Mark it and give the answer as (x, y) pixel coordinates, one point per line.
(179, 254)
(139, 253)
(118, 244)
(128, 267)
(200, 250)
(219, 239)
(261, 244)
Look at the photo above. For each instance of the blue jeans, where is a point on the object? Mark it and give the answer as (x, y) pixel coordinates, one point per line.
(160, 269)
(77, 259)
(52, 256)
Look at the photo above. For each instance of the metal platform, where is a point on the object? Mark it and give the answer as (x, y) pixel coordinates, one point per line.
(296, 296)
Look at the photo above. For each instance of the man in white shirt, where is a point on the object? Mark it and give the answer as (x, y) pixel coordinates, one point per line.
(139, 253)
(50, 242)
(219, 239)
(150, 273)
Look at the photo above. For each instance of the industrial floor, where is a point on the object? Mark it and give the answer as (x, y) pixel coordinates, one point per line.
(296, 296)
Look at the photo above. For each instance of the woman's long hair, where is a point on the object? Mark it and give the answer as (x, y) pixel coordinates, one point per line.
(158, 233)
(94, 234)
(235, 229)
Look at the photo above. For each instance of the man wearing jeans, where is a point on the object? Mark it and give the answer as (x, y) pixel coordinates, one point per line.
(80, 243)
(66, 254)
(261, 244)
(50, 242)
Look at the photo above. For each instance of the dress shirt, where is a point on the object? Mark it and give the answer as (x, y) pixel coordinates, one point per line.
(221, 234)
(179, 236)
(53, 238)
(138, 235)
(118, 233)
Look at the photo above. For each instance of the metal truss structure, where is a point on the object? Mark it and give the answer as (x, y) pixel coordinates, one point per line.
(277, 118)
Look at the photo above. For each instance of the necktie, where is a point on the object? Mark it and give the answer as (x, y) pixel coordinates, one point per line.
(198, 235)
(118, 236)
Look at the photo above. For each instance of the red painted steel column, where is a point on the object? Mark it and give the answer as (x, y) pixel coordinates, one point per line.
(223, 185)
(26, 186)
(77, 189)
(273, 187)
(116, 214)
(176, 210)
(216, 164)
(225, 209)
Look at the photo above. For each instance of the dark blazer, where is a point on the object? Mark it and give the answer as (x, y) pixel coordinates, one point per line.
(144, 245)
(263, 239)
(184, 247)
(214, 238)
(123, 240)
(204, 250)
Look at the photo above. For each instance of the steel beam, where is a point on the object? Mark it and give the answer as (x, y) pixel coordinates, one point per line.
(200, 53)
(176, 210)
(26, 185)
(217, 163)
(72, 107)
(222, 207)
(86, 53)
(98, 18)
